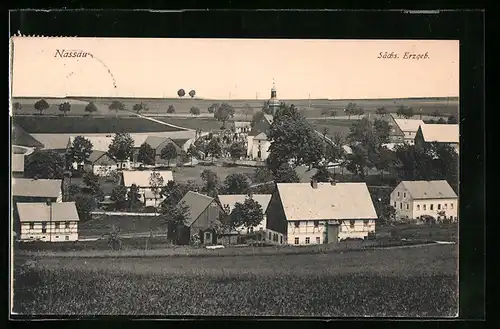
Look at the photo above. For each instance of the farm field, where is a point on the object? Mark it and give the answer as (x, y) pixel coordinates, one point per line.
(333, 126)
(88, 125)
(419, 281)
(194, 173)
(205, 124)
(313, 107)
(438, 232)
(101, 225)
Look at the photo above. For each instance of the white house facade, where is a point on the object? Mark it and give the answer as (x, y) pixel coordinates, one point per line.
(229, 201)
(260, 147)
(409, 127)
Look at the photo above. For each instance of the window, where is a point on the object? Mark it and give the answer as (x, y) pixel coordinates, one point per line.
(297, 223)
(439, 206)
(44, 227)
(352, 222)
(308, 240)
(407, 206)
(418, 207)
(366, 222)
(445, 206)
(57, 236)
(275, 237)
(281, 239)
(398, 193)
(316, 223)
(32, 226)
(66, 225)
(66, 238)
(395, 204)
(318, 240)
(269, 235)
(425, 207)
(404, 195)
(451, 206)
(57, 225)
(296, 241)
(401, 205)
(432, 207)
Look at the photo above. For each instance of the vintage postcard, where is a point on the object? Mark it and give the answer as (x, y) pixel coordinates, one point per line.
(234, 177)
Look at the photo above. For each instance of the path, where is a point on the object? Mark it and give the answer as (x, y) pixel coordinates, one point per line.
(124, 213)
(159, 121)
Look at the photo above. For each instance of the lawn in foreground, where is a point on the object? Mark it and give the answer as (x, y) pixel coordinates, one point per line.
(394, 282)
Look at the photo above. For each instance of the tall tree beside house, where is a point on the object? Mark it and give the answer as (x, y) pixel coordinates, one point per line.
(192, 93)
(285, 173)
(192, 152)
(121, 147)
(174, 191)
(156, 183)
(44, 164)
(211, 183)
(65, 107)
(90, 108)
(80, 150)
(181, 93)
(119, 196)
(85, 204)
(41, 105)
(237, 150)
(92, 185)
(133, 197)
(357, 162)
(171, 109)
(262, 175)
(223, 113)
(257, 117)
(446, 165)
(140, 107)
(323, 175)
(175, 216)
(194, 110)
(214, 148)
(248, 214)
(168, 153)
(413, 163)
(146, 154)
(236, 183)
(381, 130)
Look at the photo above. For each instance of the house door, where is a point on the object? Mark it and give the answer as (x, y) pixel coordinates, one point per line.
(207, 238)
(332, 234)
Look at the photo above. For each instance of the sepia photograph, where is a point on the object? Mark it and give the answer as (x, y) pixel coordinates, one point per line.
(234, 177)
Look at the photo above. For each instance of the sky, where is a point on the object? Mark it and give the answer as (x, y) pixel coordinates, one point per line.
(234, 68)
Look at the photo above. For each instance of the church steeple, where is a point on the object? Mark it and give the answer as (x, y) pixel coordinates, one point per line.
(274, 103)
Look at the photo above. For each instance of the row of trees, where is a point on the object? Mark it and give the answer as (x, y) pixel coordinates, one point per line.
(181, 93)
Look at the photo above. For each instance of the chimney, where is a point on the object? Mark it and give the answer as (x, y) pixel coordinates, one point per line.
(314, 183)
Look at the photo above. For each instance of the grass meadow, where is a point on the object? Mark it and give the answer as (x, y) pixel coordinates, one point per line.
(420, 281)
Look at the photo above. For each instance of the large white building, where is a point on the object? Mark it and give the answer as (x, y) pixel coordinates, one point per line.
(414, 199)
(317, 213)
(50, 222)
(141, 179)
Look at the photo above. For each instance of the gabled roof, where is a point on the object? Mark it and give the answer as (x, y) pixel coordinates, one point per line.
(17, 163)
(53, 141)
(231, 199)
(155, 141)
(99, 143)
(410, 125)
(269, 118)
(436, 189)
(197, 203)
(41, 212)
(180, 141)
(22, 138)
(28, 187)
(261, 136)
(141, 177)
(241, 124)
(342, 201)
(440, 133)
(100, 158)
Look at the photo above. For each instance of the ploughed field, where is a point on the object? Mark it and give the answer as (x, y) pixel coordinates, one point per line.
(418, 281)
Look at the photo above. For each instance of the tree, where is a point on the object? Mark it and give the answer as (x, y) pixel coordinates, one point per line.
(119, 196)
(114, 239)
(65, 107)
(212, 108)
(156, 183)
(192, 93)
(359, 112)
(358, 161)
(44, 165)
(248, 214)
(452, 120)
(333, 113)
(257, 117)
(223, 113)
(80, 150)
(140, 107)
(237, 150)
(248, 111)
(266, 108)
(85, 204)
(323, 175)
(195, 110)
(436, 113)
(175, 216)
(181, 93)
(116, 106)
(408, 113)
(133, 197)
(441, 121)
(171, 109)
(146, 154)
(92, 186)
(262, 175)
(174, 191)
(90, 108)
(168, 153)
(17, 106)
(412, 163)
(214, 148)
(121, 146)
(41, 106)
(382, 130)
(381, 111)
(285, 174)
(211, 183)
(192, 152)
(446, 164)
(350, 110)
(236, 183)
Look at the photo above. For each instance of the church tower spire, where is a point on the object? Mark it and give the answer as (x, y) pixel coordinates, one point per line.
(274, 103)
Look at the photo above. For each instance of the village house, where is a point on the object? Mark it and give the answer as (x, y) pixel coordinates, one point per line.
(240, 127)
(152, 200)
(447, 134)
(158, 143)
(36, 190)
(317, 213)
(17, 166)
(21, 137)
(51, 222)
(259, 128)
(414, 199)
(396, 135)
(228, 202)
(141, 179)
(204, 214)
(260, 147)
(409, 127)
(100, 163)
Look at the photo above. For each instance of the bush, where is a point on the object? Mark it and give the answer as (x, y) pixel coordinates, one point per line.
(149, 209)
